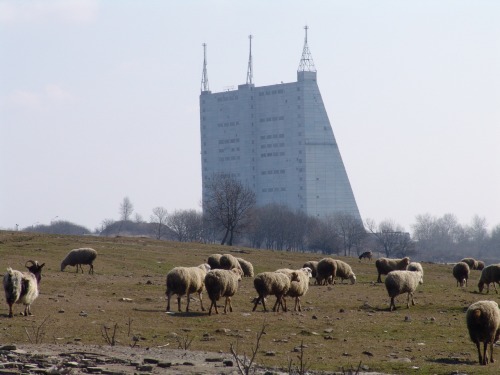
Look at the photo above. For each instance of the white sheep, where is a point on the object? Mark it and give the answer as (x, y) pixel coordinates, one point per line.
(313, 265)
(386, 265)
(473, 264)
(186, 280)
(214, 261)
(297, 288)
(327, 268)
(415, 266)
(273, 283)
(399, 282)
(490, 274)
(77, 257)
(228, 261)
(461, 272)
(246, 267)
(344, 271)
(22, 287)
(483, 323)
(222, 283)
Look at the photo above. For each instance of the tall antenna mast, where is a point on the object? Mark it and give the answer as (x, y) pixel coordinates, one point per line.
(204, 76)
(250, 65)
(306, 61)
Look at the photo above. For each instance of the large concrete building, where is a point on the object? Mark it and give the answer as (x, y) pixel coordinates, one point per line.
(278, 141)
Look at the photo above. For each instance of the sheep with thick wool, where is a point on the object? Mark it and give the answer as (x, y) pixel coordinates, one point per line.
(313, 265)
(79, 257)
(473, 264)
(386, 265)
(246, 267)
(222, 283)
(326, 270)
(273, 283)
(214, 261)
(490, 274)
(480, 265)
(399, 282)
(228, 261)
(483, 323)
(415, 266)
(461, 272)
(22, 287)
(184, 281)
(297, 288)
(344, 272)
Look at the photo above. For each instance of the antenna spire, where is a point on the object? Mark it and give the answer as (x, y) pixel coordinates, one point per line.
(250, 65)
(204, 76)
(306, 61)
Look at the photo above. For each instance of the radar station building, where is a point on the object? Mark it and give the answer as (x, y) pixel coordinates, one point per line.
(276, 140)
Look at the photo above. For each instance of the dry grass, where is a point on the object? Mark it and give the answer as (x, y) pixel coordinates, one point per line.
(340, 326)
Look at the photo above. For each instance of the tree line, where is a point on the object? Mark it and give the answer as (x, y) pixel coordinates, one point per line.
(231, 217)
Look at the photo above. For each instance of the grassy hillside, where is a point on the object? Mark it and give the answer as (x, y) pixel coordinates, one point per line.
(340, 326)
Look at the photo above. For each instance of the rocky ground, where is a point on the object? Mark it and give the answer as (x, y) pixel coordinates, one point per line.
(116, 360)
(93, 359)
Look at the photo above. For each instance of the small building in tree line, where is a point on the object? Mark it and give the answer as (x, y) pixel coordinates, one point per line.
(276, 140)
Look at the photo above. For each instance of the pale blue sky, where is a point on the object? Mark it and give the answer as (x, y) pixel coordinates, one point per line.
(99, 100)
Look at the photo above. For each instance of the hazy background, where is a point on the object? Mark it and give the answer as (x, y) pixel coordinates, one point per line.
(99, 100)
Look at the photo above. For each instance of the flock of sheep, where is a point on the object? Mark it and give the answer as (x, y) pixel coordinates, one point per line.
(221, 274)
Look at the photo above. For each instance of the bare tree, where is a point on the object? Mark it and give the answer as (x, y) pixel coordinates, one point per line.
(228, 203)
(350, 230)
(392, 238)
(159, 218)
(187, 225)
(126, 209)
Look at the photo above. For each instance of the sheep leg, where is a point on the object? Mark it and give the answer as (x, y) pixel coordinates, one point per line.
(11, 313)
(228, 301)
(210, 309)
(379, 279)
(91, 269)
(491, 351)
(494, 287)
(259, 298)
(297, 303)
(179, 303)
(392, 306)
(478, 346)
(485, 353)
(201, 302)
(168, 301)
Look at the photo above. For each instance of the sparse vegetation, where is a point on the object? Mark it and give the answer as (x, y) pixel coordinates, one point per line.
(340, 325)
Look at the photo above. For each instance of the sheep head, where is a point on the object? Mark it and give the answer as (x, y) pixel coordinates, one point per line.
(35, 268)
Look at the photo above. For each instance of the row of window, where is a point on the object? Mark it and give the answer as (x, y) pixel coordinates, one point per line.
(271, 92)
(276, 171)
(271, 190)
(228, 141)
(226, 98)
(233, 149)
(227, 124)
(274, 118)
(272, 136)
(271, 145)
(228, 158)
(271, 154)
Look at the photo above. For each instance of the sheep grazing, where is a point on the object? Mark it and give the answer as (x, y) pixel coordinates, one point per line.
(228, 261)
(386, 265)
(480, 265)
(78, 257)
(366, 255)
(490, 274)
(22, 287)
(246, 267)
(483, 323)
(186, 280)
(222, 283)
(297, 288)
(344, 271)
(214, 261)
(399, 282)
(313, 265)
(415, 266)
(273, 283)
(471, 262)
(461, 272)
(327, 268)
